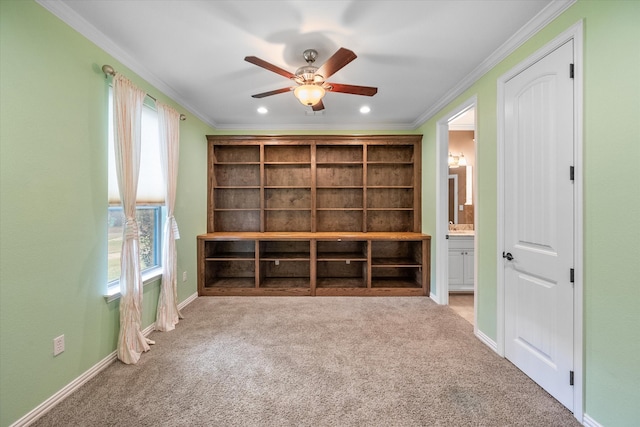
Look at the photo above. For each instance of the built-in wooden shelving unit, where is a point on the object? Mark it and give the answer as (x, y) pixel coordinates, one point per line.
(314, 215)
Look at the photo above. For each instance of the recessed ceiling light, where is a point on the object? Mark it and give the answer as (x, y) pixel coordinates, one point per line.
(365, 109)
(262, 110)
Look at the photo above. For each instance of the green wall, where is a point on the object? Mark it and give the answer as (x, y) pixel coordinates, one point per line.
(53, 203)
(53, 160)
(611, 199)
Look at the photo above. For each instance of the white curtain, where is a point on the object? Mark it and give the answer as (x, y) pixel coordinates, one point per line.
(127, 114)
(169, 126)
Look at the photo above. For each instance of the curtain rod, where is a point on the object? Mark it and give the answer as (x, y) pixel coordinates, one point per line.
(108, 70)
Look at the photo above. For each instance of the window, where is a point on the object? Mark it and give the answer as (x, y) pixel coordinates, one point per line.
(150, 201)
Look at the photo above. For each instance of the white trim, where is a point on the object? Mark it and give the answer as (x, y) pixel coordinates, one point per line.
(75, 21)
(51, 402)
(442, 212)
(188, 301)
(587, 421)
(74, 385)
(575, 33)
(485, 339)
(544, 17)
(113, 292)
(81, 25)
(578, 313)
(318, 126)
(500, 217)
(442, 202)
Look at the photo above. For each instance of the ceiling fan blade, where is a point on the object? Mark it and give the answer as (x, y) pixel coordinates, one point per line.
(318, 106)
(339, 59)
(352, 89)
(268, 66)
(272, 92)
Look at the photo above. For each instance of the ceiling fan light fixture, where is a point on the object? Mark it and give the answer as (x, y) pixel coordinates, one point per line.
(309, 94)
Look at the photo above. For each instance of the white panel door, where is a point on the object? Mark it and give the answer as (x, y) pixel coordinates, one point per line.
(538, 221)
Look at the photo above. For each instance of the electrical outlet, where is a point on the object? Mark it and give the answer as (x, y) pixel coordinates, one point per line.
(184, 276)
(58, 345)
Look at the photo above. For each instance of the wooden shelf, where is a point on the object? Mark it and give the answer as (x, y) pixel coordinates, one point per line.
(339, 163)
(341, 257)
(339, 187)
(314, 215)
(287, 163)
(237, 163)
(232, 283)
(237, 256)
(321, 263)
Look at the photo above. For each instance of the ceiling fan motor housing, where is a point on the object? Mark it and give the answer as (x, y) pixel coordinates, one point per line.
(307, 73)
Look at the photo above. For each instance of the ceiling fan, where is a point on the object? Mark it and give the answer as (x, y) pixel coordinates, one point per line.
(311, 80)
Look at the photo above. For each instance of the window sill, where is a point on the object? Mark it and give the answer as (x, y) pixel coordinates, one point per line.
(147, 277)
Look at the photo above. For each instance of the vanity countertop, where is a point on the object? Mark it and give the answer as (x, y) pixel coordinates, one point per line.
(462, 233)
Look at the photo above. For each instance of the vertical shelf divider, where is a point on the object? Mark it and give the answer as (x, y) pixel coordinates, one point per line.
(256, 260)
(365, 149)
(263, 219)
(369, 263)
(313, 267)
(417, 188)
(314, 183)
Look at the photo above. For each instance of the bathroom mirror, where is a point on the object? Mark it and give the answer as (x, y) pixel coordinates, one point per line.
(461, 162)
(461, 195)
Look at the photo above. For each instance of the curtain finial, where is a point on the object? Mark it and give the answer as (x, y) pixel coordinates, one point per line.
(108, 70)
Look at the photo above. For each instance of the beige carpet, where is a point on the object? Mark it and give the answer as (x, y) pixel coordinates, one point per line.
(323, 361)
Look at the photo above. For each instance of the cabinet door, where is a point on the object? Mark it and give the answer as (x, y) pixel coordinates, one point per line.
(456, 268)
(468, 276)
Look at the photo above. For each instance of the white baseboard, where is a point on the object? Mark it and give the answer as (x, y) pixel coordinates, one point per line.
(59, 396)
(486, 340)
(48, 404)
(587, 421)
(189, 300)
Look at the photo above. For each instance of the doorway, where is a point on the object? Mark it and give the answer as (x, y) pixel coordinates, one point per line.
(461, 163)
(456, 210)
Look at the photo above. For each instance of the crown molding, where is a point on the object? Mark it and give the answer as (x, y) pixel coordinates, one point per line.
(75, 21)
(81, 25)
(535, 24)
(319, 127)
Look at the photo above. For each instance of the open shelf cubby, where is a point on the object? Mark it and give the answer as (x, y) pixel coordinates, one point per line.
(314, 215)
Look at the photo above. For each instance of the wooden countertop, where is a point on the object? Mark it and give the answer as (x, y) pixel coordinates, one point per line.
(303, 235)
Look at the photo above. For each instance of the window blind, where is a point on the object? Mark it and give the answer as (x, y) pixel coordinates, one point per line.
(151, 188)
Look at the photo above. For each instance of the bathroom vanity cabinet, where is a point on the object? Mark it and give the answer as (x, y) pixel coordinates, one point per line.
(461, 258)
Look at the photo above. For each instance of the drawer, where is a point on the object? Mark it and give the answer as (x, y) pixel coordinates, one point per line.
(460, 242)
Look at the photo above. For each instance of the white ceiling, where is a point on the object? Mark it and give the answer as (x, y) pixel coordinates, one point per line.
(420, 54)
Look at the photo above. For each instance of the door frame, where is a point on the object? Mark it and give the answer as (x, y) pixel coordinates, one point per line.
(442, 205)
(574, 33)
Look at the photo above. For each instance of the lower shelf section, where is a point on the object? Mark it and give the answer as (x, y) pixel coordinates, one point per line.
(230, 292)
(314, 264)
